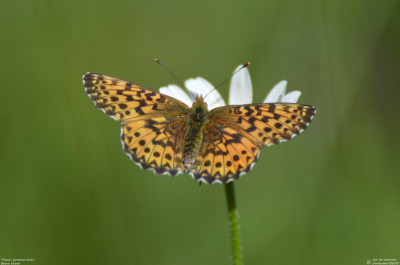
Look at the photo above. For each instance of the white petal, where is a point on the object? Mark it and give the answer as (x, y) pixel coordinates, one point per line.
(241, 89)
(276, 94)
(200, 86)
(176, 92)
(292, 97)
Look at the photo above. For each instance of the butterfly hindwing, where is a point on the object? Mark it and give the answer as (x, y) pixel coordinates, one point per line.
(227, 156)
(154, 145)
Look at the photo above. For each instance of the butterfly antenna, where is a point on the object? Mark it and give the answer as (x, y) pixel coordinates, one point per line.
(230, 77)
(179, 81)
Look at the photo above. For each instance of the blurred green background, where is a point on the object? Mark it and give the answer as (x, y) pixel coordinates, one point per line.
(69, 194)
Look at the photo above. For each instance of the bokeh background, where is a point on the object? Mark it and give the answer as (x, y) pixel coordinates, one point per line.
(69, 195)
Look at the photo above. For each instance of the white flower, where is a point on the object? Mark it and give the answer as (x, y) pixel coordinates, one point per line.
(277, 94)
(240, 91)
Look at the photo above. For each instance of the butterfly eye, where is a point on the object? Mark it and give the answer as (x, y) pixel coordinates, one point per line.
(214, 134)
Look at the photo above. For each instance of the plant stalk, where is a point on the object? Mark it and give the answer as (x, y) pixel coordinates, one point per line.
(234, 224)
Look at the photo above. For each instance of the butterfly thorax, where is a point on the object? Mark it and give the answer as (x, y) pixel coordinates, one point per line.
(197, 122)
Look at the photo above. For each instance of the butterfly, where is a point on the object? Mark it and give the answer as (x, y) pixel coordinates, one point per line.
(162, 134)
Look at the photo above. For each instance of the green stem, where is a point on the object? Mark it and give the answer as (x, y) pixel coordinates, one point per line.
(234, 224)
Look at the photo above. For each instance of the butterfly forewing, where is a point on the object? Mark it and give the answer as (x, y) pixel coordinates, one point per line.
(125, 101)
(266, 124)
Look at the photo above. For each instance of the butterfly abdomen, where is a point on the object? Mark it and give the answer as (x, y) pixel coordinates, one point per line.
(197, 122)
(192, 145)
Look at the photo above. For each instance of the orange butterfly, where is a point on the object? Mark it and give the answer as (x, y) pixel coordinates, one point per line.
(164, 135)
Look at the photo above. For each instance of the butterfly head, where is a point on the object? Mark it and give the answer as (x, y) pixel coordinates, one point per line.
(199, 109)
